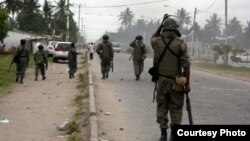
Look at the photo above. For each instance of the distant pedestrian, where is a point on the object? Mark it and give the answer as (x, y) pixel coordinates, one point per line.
(139, 54)
(41, 62)
(91, 49)
(72, 61)
(106, 53)
(21, 58)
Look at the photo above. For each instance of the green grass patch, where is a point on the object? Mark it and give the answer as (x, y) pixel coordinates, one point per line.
(78, 128)
(75, 137)
(7, 76)
(241, 71)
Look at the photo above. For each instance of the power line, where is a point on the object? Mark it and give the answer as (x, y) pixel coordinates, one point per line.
(199, 12)
(124, 5)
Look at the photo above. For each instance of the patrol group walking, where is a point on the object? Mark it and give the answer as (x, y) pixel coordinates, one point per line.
(21, 59)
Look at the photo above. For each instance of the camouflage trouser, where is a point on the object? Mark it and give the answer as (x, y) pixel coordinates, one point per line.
(72, 67)
(40, 67)
(168, 100)
(20, 69)
(105, 65)
(137, 66)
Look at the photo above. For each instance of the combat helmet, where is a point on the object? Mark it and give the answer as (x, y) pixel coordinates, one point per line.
(139, 37)
(40, 46)
(170, 24)
(105, 37)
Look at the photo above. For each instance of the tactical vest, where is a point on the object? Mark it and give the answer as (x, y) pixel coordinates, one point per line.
(138, 51)
(39, 56)
(170, 64)
(106, 51)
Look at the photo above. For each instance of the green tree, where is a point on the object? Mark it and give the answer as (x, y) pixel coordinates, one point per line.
(213, 25)
(47, 12)
(4, 26)
(183, 18)
(126, 17)
(223, 49)
(234, 27)
(60, 21)
(31, 12)
(12, 6)
(31, 6)
(60, 8)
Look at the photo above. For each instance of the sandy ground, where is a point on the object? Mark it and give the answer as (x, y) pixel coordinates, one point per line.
(35, 109)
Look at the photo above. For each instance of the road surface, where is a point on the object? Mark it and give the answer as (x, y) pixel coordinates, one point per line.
(126, 111)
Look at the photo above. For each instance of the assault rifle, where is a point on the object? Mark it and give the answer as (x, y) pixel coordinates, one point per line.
(188, 107)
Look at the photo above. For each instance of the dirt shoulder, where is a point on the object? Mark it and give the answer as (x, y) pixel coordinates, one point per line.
(35, 109)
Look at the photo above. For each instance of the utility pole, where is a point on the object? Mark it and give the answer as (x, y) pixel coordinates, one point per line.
(83, 30)
(79, 16)
(192, 42)
(226, 20)
(67, 37)
(79, 25)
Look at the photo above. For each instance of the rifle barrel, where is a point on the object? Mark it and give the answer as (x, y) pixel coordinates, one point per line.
(188, 107)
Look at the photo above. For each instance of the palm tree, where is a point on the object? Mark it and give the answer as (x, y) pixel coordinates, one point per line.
(31, 6)
(12, 6)
(183, 18)
(234, 27)
(213, 25)
(48, 10)
(60, 8)
(126, 17)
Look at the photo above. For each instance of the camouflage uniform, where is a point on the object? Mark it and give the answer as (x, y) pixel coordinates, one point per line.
(41, 62)
(167, 99)
(139, 54)
(106, 53)
(72, 62)
(21, 57)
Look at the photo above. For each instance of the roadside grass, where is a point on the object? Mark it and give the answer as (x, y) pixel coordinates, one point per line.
(222, 69)
(78, 128)
(7, 79)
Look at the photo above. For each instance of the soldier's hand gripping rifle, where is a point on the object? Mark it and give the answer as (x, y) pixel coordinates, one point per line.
(188, 107)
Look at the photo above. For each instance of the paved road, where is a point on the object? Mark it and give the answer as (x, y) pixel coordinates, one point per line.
(215, 100)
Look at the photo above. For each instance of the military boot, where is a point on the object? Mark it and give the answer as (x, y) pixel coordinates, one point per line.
(137, 77)
(107, 75)
(164, 135)
(21, 80)
(44, 77)
(103, 75)
(17, 79)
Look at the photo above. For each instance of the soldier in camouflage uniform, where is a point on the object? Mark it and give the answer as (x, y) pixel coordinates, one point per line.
(21, 58)
(171, 66)
(72, 61)
(106, 53)
(139, 54)
(41, 62)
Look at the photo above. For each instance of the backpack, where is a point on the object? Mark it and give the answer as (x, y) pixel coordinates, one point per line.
(39, 57)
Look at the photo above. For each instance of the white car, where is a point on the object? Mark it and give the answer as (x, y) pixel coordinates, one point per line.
(61, 51)
(50, 48)
(116, 47)
(244, 57)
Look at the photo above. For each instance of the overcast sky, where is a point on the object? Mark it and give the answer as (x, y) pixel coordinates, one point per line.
(99, 20)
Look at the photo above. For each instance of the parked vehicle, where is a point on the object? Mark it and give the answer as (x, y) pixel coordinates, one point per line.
(61, 51)
(116, 47)
(243, 58)
(51, 47)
